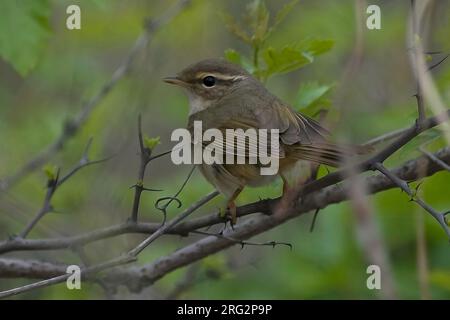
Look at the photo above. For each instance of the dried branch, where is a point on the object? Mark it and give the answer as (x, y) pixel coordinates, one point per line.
(402, 184)
(137, 278)
(435, 159)
(145, 157)
(130, 256)
(265, 206)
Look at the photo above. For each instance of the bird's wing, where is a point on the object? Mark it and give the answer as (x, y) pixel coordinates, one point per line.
(304, 138)
(294, 127)
(246, 140)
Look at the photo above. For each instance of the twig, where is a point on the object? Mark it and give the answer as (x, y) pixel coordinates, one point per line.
(138, 278)
(130, 256)
(164, 207)
(433, 158)
(380, 156)
(173, 222)
(243, 243)
(415, 56)
(184, 228)
(313, 223)
(46, 207)
(72, 126)
(403, 185)
(54, 183)
(145, 158)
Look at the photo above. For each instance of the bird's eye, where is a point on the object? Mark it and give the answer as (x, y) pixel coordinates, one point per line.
(209, 81)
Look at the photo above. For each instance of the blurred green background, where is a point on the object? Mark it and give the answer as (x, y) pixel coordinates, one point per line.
(49, 71)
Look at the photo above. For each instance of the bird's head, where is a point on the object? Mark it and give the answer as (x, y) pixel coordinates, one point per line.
(208, 81)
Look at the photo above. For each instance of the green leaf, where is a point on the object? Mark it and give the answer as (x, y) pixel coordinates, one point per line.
(284, 60)
(235, 57)
(312, 94)
(24, 31)
(50, 171)
(151, 143)
(293, 57)
(316, 47)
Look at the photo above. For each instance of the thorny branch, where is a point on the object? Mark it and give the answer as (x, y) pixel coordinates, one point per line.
(146, 157)
(54, 183)
(137, 278)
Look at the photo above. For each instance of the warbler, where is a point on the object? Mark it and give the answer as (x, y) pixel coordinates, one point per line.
(223, 95)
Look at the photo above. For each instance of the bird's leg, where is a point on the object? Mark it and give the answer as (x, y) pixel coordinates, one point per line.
(289, 194)
(231, 205)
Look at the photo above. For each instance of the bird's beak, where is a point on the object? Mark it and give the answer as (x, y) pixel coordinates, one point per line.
(174, 80)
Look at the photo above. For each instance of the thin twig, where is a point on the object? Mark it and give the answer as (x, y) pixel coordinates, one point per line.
(403, 185)
(183, 228)
(139, 278)
(435, 159)
(145, 158)
(164, 207)
(173, 222)
(243, 243)
(415, 56)
(54, 183)
(130, 256)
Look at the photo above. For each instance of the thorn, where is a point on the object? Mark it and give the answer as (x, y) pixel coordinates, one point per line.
(87, 148)
(12, 237)
(313, 223)
(438, 63)
(149, 189)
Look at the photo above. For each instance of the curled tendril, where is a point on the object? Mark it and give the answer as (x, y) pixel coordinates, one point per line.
(164, 207)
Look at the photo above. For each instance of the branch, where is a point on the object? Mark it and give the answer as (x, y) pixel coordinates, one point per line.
(54, 183)
(137, 278)
(128, 257)
(71, 127)
(145, 157)
(403, 185)
(380, 156)
(435, 159)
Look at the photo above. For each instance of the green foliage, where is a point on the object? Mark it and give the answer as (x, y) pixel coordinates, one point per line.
(311, 96)
(51, 171)
(24, 31)
(291, 58)
(276, 61)
(151, 143)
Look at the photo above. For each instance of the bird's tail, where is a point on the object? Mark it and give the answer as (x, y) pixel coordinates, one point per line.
(327, 153)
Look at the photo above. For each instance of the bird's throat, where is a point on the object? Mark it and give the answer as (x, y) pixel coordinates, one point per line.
(197, 103)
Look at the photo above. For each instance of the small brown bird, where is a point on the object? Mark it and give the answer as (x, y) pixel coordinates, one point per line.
(224, 96)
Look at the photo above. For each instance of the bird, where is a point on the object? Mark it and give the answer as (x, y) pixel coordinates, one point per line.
(223, 95)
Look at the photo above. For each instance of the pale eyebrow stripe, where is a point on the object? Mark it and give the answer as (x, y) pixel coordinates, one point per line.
(220, 76)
